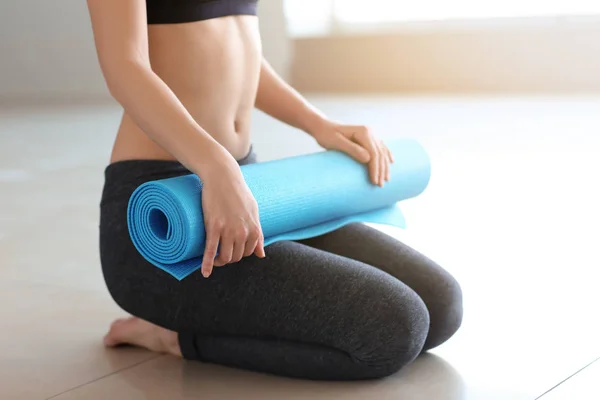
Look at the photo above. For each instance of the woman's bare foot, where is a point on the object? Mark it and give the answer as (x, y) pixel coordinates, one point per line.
(137, 332)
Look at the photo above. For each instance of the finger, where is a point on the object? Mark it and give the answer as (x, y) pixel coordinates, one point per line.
(250, 247)
(210, 251)
(364, 138)
(385, 168)
(225, 250)
(353, 149)
(383, 162)
(239, 245)
(251, 243)
(218, 263)
(389, 160)
(374, 167)
(375, 163)
(388, 169)
(389, 154)
(238, 250)
(260, 247)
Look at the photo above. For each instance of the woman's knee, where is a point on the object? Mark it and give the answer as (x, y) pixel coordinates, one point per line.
(445, 311)
(125, 299)
(394, 337)
(121, 290)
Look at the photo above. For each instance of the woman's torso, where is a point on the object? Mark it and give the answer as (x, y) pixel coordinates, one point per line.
(213, 67)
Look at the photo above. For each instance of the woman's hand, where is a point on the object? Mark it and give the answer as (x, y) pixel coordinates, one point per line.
(359, 143)
(230, 216)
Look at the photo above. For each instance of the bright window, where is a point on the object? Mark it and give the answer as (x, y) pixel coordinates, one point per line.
(369, 11)
(322, 15)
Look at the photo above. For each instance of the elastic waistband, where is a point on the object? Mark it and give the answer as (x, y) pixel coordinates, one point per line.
(136, 171)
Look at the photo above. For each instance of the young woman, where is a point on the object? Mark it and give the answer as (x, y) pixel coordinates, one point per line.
(351, 304)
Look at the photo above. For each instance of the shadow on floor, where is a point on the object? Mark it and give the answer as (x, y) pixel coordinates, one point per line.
(429, 377)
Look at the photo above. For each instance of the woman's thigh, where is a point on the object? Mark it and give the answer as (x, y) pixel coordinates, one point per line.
(296, 294)
(439, 290)
(297, 291)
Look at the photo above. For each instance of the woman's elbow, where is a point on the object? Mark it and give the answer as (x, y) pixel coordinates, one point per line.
(114, 80)
(119, 77)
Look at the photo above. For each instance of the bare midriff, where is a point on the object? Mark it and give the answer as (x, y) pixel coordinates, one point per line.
(213, 67)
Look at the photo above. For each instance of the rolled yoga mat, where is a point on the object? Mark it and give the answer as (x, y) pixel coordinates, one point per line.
(298, 197)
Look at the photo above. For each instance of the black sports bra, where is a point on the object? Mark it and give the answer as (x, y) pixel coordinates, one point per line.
(179, 11)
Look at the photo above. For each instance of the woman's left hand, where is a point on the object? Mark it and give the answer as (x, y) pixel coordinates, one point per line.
(359, 143)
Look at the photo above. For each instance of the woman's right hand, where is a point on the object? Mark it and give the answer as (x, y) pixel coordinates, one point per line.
(231, 216)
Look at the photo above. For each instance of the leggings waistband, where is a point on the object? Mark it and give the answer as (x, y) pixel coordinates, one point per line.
(122, 177)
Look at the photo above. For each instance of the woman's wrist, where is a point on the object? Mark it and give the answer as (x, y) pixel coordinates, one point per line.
(204, 156)
(217, 163)
(312, 120)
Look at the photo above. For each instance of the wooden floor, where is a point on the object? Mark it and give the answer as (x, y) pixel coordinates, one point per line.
(512, 211)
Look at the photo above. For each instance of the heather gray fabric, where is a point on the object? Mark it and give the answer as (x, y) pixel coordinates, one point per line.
(352, 304)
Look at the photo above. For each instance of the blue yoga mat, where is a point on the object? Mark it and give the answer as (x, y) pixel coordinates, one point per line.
(298, 197)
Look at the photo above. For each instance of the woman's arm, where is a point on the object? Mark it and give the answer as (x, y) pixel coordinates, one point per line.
(121, 37)
(230, 211)
(279, 100)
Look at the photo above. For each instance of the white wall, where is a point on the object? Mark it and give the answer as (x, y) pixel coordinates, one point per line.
(276, 42)
(47, 50)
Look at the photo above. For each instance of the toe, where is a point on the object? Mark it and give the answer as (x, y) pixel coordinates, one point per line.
(115, 333)
(109, 340)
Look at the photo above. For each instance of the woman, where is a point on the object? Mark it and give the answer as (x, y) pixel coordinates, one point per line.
(351, 304)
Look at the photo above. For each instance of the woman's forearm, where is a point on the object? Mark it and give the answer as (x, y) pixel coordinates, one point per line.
(160, 114)
(279, 100)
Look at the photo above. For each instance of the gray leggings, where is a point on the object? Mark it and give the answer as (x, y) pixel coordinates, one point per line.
(352, 304)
